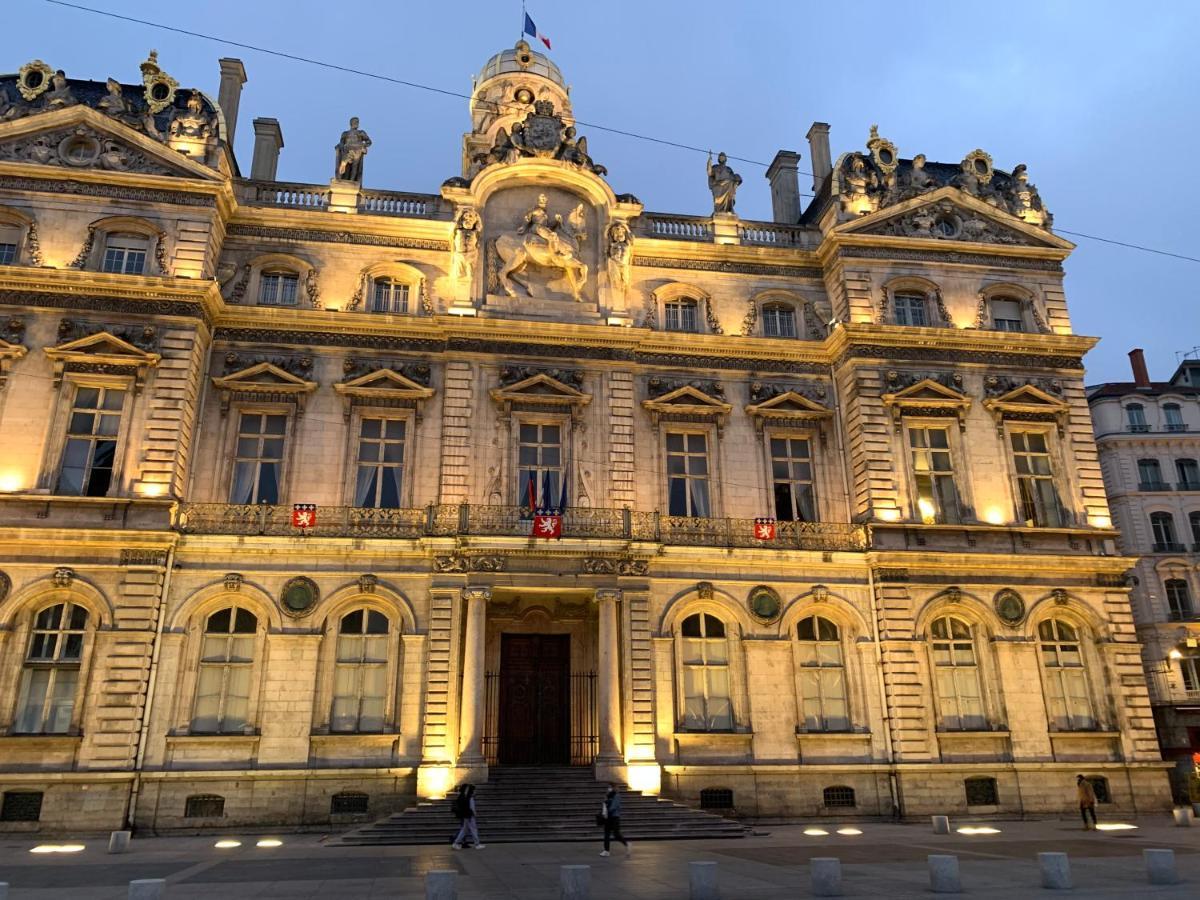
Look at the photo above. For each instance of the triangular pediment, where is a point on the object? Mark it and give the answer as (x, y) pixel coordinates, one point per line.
(383, 380)
(540, 389)
(791, 402)
(688, 402)
(105, 347)
(950, 215)
(927, 390)
(690, 396)
(79, 138)
(11, 351)
(264, 375)
(1030, 396)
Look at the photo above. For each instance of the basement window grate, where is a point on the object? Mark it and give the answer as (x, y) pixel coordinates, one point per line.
(982, 792)
(839, 797)
(716, 798)
(21, 806)
(204, 806)
(348, 803)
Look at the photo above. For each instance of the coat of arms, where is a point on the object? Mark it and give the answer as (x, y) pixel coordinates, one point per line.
(541, 133)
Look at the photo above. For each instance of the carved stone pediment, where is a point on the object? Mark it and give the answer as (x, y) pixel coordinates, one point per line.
(266, 382)
(788, 406)
(1025, 401)
(684, 401)
(11, 348)
(385, 387)
(540, 389)
(925, 394)
(102, 352)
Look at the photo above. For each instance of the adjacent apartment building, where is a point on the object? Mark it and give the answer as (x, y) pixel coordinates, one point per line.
(1148, 434)
(317, 497)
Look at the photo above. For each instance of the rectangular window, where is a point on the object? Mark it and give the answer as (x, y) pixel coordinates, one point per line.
(539, 464)
(681, 316)
(47, 700)
(792, 479)
(278, 289)
(933, 475)
(258, 458)
(1067, 698)
(687, 475)
(380, 463)
(779, 321)
(90, 453)
(124, 255)
(910, 310)
(1150, 475)
(8, 254)
(1188, 471)
(1137, 417)
(1174, 417)
(1006, 315)
(1179, 600)
(390, 297)
(1037, 495)
(1189, 669)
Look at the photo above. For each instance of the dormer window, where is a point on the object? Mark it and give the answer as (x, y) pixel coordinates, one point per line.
(389, 296)
(125, 254)
(779, 320)
(681, 315)
(278, 288)
(911, 309)
(1006, 314)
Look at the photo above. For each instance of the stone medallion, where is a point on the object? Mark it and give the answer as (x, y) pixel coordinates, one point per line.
(764, 603)
(1009, 607)
(299, 596)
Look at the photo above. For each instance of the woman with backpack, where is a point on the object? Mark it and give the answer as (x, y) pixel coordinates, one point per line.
(464, 809)
(610, 811)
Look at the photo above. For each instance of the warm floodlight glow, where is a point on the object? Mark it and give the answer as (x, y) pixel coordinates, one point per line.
(1175, 654)
(815, 832)
(848, 831)
(152, 489)
(644, 779)
(1116, 826)
(227, 844)
(928, 511)
(436, 782)
(888, 515)
(269, 842)
(977, 829)
(11, 482)
(1100, 521)
(57, 848)
(993, 515)
(461, 310)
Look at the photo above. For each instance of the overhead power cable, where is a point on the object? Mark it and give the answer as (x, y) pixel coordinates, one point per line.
(416, 85)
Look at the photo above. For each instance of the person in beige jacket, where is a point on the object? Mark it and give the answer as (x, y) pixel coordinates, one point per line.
(1087, 800)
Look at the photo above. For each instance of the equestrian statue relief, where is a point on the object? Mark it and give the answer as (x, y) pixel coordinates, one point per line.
(546, 241)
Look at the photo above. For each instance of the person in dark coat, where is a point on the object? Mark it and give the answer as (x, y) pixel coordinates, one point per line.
(1087, 800)
(612, 821)
(464, 808)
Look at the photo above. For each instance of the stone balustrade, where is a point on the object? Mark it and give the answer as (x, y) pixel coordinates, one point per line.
(291, 195)
(682, 228)
(770, 234)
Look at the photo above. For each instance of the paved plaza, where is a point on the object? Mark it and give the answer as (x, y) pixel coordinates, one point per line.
(884, 860)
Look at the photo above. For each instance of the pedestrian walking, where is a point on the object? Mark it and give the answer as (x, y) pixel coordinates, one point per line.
(464, 809)
(1087, 801)
(611, 812)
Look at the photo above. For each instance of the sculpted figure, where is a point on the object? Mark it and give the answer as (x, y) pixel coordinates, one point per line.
(8, 109)
(620, 256)
(920, 181)
(114, 156)
(59, 94)
(113, 103)
(538, 221)
(349, 153)
(574, 151)
(723, 182)
(466, 245)
(191, 124)
(544, 241)
(858, 181)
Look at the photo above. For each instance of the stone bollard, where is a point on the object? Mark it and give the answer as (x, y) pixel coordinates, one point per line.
(148, 889)
(826, 875)
(941, 824)
(3, 890)
(1056, 871)
(702, 879)
(575, 882)
(1183, 817)
(1160, 866)
(441, 884)
(943, 874)
(1196, 810)
(118, 842)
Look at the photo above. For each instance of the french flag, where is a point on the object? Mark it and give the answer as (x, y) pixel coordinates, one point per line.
(532, 30)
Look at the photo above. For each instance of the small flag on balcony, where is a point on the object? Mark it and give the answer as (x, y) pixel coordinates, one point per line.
(764, 529)
(547, 525)
(304, 515)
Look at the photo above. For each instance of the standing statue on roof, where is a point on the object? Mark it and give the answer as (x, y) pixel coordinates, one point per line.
(723, 182)
(349, 153)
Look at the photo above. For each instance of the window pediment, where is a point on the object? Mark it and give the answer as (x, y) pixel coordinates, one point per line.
(1029, 402)
(925, 396)
(384, 387)
(541, 390)
(788, 407)
(102, 352)
(263, 381)
(687, 401)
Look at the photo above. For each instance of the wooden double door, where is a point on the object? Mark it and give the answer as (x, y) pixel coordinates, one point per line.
(535, 699)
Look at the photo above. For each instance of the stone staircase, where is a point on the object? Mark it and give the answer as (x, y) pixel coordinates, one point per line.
(520, 805)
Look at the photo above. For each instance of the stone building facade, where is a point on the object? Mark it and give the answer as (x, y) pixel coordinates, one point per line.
(1148, 435)
(275, 459)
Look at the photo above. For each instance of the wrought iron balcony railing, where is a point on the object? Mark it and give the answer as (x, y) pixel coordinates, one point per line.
(472, 519)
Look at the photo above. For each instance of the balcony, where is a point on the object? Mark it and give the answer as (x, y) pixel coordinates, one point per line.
(1175, 427)
(512, 521)
(1138, 428)
(1188, 486)
(1153, 486)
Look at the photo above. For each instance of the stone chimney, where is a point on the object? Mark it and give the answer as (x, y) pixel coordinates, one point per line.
(818, 152)
(268, 141)
(233, 76)
(785, 188)
(1137, 361)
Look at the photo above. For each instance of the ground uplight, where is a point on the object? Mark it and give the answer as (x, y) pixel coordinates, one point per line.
(815, 832)
(977, 829)
(227, 844)
(848, 831)
(57, 848)
(269, 842)
(1115, 826)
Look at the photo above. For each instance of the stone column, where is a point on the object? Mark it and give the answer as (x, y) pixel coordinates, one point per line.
(473, 683)
(608, 690)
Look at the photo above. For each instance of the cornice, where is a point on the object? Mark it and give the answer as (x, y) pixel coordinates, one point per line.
(83, 291)
(965, 345)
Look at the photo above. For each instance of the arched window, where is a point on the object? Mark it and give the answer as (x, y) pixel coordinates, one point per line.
(278, 288)
(960, 698)
(125, 254)
(226, 661)
(50, 677)
(360, 674)
(1188, 471)
(1067, 701)
(389, 296)
(823, 705)
(1173, 417)
(681, 314)
(1162, 524)
(1007, 314)
(911, 308)
(779, 320)
(1179, 599)
(1150, 475)
(1135, 415)
(705, 660)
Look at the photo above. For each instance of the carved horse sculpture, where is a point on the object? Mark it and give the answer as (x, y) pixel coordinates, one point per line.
(556, 247)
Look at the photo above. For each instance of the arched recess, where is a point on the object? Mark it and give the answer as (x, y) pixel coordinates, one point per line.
(248, 287)
(387, 600)
(934, 306)
(809, 324)
(43, 591)
(720, 603)
(551, 173)
(673, 291)
(819, 601)
(1033, 319)
(958, 603)
(401, 273)
(1064, 605)
(102, 231)
(210, 598)
(19, 229)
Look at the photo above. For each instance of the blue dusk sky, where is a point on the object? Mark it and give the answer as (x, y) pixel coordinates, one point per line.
(1097, 98)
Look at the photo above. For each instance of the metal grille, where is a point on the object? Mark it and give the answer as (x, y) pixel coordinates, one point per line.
(21, 806)
(204, 806)
(982, 792)
(716, 798)
(839, 796)
(348, 803)
(585, 723)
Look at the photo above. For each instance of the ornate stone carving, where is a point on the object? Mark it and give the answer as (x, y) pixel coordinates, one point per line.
(317, 235)
(1060, 597)
(1024, 201)
(899, 380)
(762, 391)
(13, 331)
(60, 94)
(233, 582)
(704, 590)
(657, 386)
(85, 251)
(311, 289)
(418, 372)
(820, 593)
(541, 134)
(63, 576)
(33, 79)
(720, 265)
(368, 583)
(620, 256)
(544, 241)
(137, 556)
(300, 366)
(510, 374)
(144, 338)
(299, 596)
(998, 385)
(81, 147)
(764, 603)
(119, 192)
(159, 86)
(601, 565)
(953, 594)
(457, 562)
(723, 182)
(349, 153)
(466, 245)
(946, 221)
(1009, 606)
(193, 124)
